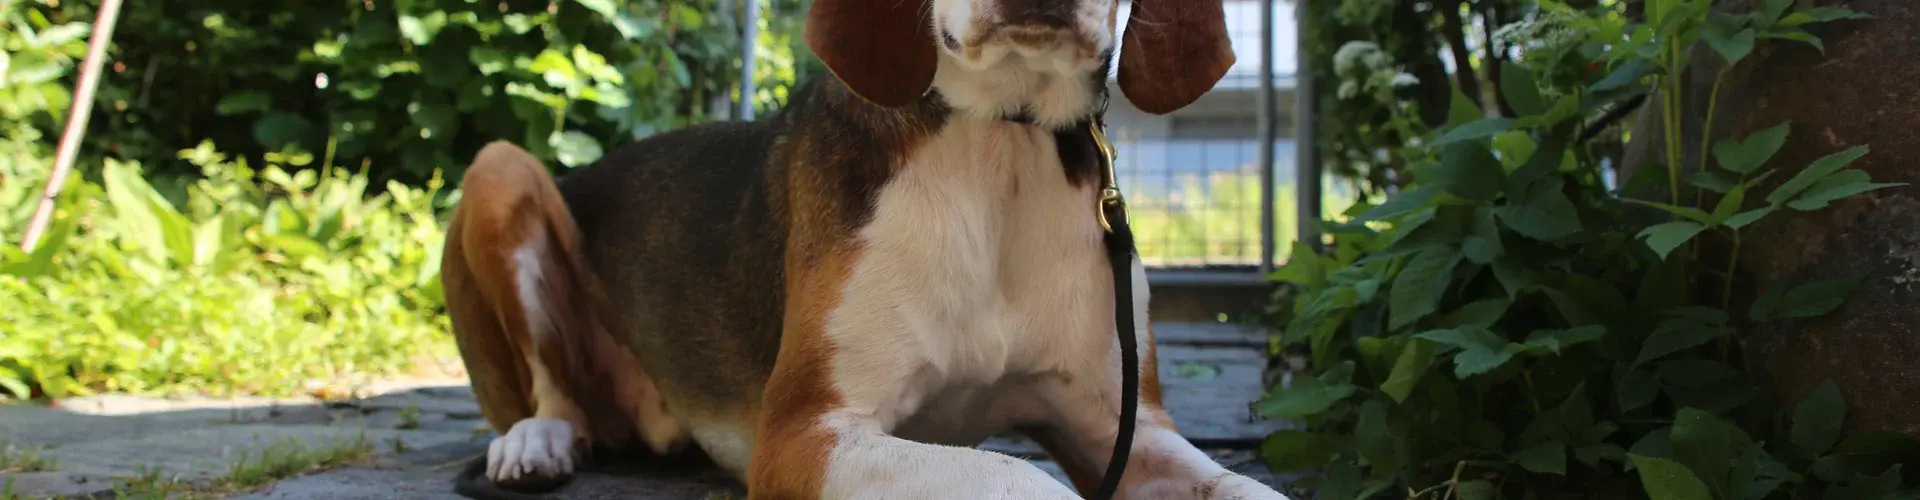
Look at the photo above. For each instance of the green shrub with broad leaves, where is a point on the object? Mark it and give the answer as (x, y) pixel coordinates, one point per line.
(248, 280)
(1511, 327)
(404, 87)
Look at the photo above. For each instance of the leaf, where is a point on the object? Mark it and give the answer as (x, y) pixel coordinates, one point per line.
(1817, 298)
(1774, 9)
(1821, 15)
(1403, 203)
(1307, 397)
(1713, 180)
(1408, 369)
(1417, 289)
(1694, 214)
(1707, 445)
(1546, 457)
(1469, 171)
(1545, 160)
(1663, 238)
(1732, 47)
(1729, 204)
(1636, 389)
(1742, 219)
(1884, 442)
(1745, 157)
(246, 101)
(1668, 480)
(1294, 451)
(1373, 437)
(1868, 487)
(1702, 314)
(1676, 334)
(1462, 110)
(1768, 302)
(1628, 72)
(1818, 418)
(1478, 489)
(574, 149)
(1484, 245)
(1304, 267)
(1481, 350)
(1476, 129)
(1517, 85)
(280, 129)
(1479, 313)
(1814, 172)
(1542, 213)
(605, 8)
(436, 119)
(1798, 35)
(1555, 340)
(1839, 185)
(1343, 480)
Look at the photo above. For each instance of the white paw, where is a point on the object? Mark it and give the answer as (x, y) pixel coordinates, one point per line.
(535, 448)
(1238, 487)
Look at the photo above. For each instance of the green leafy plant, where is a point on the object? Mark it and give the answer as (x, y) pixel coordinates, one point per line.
(1509, 326)
(244, 281)
(408, 87)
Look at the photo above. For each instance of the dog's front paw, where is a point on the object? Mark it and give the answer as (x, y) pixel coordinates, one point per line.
(1232, 486)
(536, 453)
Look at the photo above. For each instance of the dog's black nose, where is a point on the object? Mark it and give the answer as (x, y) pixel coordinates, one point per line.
(1040, 20)
(1055, 14)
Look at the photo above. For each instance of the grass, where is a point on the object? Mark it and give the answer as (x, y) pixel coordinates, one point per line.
(24, 459)
(246, 471)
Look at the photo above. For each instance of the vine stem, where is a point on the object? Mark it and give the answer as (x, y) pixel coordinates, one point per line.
(1726, 295)
(1706, 127)
(1706, 141)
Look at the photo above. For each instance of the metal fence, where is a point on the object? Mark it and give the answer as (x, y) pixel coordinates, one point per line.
(1195, 202)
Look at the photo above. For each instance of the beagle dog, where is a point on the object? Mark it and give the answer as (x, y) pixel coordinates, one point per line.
(841, 300)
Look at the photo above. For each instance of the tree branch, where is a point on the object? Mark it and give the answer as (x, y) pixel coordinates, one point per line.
(1455, 31)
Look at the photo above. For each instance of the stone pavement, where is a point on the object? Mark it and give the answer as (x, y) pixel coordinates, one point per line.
(420, 433)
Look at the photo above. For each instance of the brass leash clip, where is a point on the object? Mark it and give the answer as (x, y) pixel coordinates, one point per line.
(1109, 184)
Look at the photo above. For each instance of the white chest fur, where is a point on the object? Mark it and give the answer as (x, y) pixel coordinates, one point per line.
(982, 286)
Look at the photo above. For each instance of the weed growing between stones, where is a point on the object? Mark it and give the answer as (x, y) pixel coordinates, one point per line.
(24, 459)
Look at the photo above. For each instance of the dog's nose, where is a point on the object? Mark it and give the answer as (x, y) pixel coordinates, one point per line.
(1054, 14)
(1035, 19)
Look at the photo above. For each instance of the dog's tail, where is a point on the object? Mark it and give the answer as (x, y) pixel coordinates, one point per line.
(527, 311)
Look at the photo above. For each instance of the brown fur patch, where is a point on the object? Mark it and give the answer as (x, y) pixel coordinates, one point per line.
(790, 459)
(835, 169)
(510, 202)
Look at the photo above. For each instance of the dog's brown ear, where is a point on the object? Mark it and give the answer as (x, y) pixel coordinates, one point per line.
(1173, 51)
(882, 49)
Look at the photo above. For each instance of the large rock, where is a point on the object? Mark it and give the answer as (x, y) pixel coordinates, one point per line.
(1864, 91)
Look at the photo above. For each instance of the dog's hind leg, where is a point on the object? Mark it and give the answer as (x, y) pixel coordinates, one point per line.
(525, 318)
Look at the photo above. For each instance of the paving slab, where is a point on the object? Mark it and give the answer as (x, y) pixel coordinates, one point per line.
(423, 431)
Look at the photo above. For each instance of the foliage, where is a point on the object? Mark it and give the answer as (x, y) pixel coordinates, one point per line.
(404, 88)
(1511, 327)
(245, 281)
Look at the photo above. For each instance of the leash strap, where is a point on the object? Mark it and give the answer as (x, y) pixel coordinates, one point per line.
(1112, 213)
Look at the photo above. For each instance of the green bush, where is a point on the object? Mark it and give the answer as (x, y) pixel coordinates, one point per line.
(408, 87)
(1511, 327)
(248, 281)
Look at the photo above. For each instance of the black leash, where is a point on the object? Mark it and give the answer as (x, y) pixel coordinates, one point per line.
(1112, 212)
